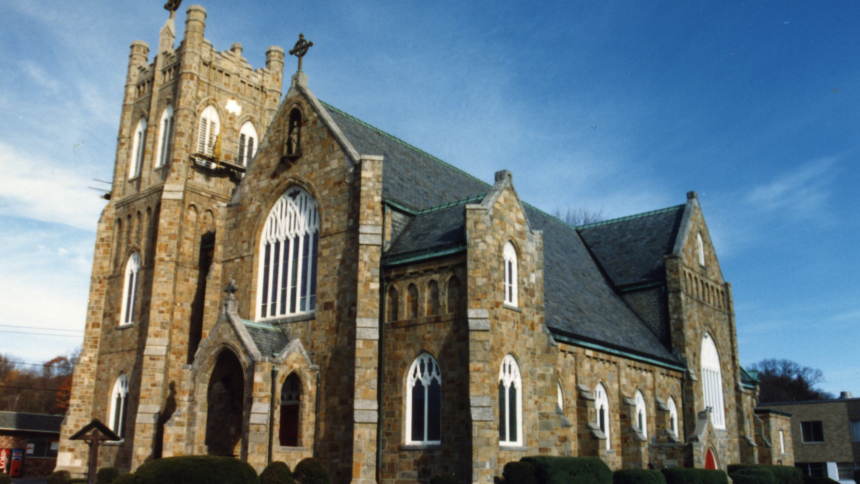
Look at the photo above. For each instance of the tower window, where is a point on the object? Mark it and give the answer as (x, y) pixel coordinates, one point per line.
(601, 404)
(510, 261)
(424, 402)
(288, 262)
(673, 416)
(247, 144)
(137, 149)
(208, 132)
(129, 292)
(166, 127)
(700, 249)
(119, 406)
(510, 403)
(641, 414)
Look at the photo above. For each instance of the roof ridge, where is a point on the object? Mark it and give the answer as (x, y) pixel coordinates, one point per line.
(630, 217)
(395, 138)
(260, 325)
(452, 204)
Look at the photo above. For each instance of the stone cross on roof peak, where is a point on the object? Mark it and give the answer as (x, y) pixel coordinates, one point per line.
(301, 48)
(172, 6)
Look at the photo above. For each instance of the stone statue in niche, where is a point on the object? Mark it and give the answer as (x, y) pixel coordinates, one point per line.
(292, 145)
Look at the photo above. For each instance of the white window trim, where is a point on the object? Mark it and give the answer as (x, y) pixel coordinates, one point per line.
(131, 280)
(509, 375)
(673, 416)
(208, 129)
(510, 269)
(244, 154)
(165, 126)
(294, 216)
(781, 442)
(700, 249)
(601, 404)
(560, 398)
(138, 148)
(117, 423)
(432, 372)
(712, 382)
(641, 413)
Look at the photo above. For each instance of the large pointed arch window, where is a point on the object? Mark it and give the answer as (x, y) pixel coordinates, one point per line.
(129, 290)
(601, 404)
(288, 262)
(424, 402)
(165, 127)
(247, 144)
(291, 399)
(119, 406)
(510, 258)
(138, 148)
(641, 414)
(712, 382)
(510, 403)
(208, 131)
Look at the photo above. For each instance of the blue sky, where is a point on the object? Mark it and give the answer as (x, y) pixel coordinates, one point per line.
(611, 106)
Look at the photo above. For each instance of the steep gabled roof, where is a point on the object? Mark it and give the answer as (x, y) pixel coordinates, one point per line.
(269, 339)
(579, 302)
(631, 249)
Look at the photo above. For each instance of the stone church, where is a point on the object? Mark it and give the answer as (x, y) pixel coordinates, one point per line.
(275, 279)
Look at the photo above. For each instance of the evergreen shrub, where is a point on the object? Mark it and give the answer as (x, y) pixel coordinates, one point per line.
(196, 469)
(311, 471)
(681, 475)
(781, 474)
(570, 470)
(5, 479)
(753, 475)
(519, 473)
(277, 473)
(445, 478)
(59, 477)
(638, 476)
(107, 475)
(129, 478)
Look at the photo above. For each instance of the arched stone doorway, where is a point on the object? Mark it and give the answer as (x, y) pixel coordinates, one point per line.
(224, 415)
(710, 460)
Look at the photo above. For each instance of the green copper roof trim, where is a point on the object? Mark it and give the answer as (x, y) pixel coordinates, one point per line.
(629, 217)
(329, 106)
(395, 261)
(399, 206)
(476, 198)
(594, 346)
(261, 325)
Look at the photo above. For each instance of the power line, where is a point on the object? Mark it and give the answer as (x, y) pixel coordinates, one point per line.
(43, 334)
(40, 328)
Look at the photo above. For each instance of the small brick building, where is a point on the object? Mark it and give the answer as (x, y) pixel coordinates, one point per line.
(37, 435)
(824, 436)
(384, 311)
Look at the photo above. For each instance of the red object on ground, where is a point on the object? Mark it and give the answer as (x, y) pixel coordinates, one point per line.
(17, 463)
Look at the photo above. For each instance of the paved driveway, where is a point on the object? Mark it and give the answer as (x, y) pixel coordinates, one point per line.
(30, 480)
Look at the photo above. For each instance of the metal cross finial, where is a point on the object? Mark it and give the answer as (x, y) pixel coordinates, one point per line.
(301, 48)
(172, 6)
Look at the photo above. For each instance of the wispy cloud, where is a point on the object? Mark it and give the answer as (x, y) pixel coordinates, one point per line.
(803, 191)
(36, 188)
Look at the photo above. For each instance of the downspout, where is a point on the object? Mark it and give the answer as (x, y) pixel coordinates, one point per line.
(317, 418)
(684, 401)
(272, 415)
(380, 373)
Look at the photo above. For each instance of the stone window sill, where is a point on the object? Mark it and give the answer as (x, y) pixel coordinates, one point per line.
(513, 448)
(113, 443)
(124, 326)
(407, 447)
(294, 449)
(512, 308)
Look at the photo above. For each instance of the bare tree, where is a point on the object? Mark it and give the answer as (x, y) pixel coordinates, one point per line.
(787, 381)
(578, 216)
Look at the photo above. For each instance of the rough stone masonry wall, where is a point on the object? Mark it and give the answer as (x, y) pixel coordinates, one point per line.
(325, 172)
(772, 449)
(700, 302)
(496, 330)
(443, 335)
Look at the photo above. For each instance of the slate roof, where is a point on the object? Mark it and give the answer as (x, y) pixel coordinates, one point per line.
(631, 249)
(30, 422)
(270, 340)
(579, 301)
(435, 229)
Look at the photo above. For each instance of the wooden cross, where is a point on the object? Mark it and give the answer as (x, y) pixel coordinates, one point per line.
(93, 439)
(301, 48)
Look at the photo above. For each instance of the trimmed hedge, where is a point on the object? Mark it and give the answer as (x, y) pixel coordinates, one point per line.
(752, 475)
(106, 475)
(818, 480)
(277, 473)
(196, 469)
(311, 471)
(519, 473)
(570, 470)
(781, 474)
(59, 477)
(680, 475)
(129, 478)
(445, 478)
(638, 476)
